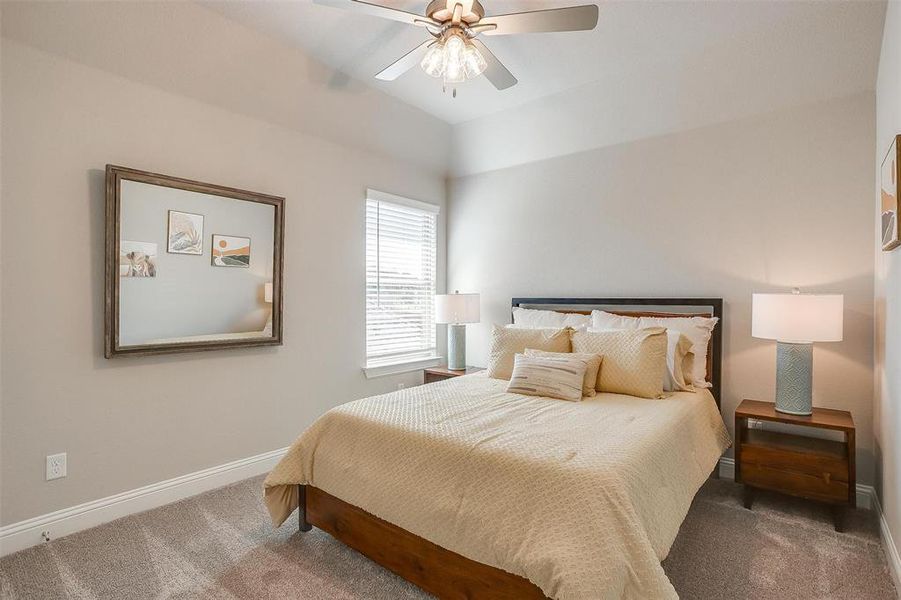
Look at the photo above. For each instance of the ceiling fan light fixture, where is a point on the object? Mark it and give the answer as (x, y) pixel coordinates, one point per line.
(455, 55)
(454, 59)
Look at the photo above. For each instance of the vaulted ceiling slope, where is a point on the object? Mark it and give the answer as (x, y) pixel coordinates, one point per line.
(649, 68)
(186, 49)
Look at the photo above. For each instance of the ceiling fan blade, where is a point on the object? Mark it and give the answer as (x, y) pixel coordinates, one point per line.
(404, 63)
(374, 9)
(495, 72)
(573, 18)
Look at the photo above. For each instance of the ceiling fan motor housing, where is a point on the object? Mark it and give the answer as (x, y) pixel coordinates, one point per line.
(443, 11)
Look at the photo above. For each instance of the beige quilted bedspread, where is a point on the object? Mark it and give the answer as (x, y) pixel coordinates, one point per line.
(582, 498)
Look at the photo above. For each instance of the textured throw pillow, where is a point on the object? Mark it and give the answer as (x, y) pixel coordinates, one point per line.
(592, 364)
(550, 377)
(531, 318)
(506, 342)
(696, 329)
(634, 359)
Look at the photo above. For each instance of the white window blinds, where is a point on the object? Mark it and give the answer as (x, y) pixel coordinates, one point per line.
(401, 248)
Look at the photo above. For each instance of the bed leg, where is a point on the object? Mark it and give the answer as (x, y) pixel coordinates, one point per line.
(302, 508)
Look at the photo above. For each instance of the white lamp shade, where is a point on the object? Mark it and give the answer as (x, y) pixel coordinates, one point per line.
(267, 292)
(457, 308)
(797, 318)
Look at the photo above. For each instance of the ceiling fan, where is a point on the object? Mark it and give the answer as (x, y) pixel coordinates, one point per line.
(454, 54)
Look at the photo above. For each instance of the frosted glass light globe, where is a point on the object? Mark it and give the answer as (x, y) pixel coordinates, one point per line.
(433, 61)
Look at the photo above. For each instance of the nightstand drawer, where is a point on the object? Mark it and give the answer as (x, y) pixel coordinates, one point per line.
(828, 461)
(814, 487)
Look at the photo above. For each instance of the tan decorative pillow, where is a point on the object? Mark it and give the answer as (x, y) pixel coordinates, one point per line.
(550, 377)
(592, 364)
(506, 342)
(634, 359)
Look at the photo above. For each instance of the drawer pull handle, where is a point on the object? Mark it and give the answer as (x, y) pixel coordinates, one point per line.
(827, 477)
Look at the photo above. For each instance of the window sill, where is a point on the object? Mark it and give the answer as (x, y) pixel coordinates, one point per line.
(405, 366)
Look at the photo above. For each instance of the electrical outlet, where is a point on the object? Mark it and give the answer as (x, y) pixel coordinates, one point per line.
(56, 466)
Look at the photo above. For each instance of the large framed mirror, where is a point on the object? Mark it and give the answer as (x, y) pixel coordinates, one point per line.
(190, 266)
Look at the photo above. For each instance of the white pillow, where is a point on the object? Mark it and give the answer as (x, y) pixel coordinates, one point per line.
(604, 321)
(679, 363)
(696, 329)
(529, 318)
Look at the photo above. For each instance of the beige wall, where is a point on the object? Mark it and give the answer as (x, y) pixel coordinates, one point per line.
(759, 204)
(887, 405)
(129, 422)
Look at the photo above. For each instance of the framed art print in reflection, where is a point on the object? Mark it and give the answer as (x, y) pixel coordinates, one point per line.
(891, 231)
(231, 251)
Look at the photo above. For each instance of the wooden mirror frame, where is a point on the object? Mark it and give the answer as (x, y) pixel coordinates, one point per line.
(114, 177)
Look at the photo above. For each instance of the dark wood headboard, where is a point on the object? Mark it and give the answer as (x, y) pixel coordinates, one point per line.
(649, 307)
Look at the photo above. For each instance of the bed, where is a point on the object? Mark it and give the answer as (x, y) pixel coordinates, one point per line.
(472, 492)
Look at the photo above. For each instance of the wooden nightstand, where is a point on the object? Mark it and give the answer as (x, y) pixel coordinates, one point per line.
(812, 468)
(442, 373)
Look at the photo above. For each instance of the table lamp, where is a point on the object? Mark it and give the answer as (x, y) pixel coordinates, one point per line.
(795, 321)
(456, 310)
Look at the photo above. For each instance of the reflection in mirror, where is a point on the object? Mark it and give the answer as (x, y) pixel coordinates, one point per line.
(196, 266)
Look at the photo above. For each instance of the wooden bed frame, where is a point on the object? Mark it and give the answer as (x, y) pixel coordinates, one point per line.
(442, 572)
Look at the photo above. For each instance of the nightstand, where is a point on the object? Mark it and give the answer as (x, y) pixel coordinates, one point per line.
(442, 373)
(811, 468)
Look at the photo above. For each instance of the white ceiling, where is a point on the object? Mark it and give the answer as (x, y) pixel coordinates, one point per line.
(631, 37)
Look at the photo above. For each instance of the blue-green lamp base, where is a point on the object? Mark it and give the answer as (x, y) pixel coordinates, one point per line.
(456, 347)
(794, 378)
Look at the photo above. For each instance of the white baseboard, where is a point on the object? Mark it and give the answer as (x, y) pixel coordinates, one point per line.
(888, 543)
(24, 534)
(865, 493)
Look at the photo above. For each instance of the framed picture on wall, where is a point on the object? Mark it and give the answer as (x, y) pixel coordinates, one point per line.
(891, 174)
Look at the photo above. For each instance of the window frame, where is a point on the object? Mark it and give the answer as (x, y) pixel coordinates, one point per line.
(415, 360)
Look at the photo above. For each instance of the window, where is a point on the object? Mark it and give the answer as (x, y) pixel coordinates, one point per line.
(401, 248)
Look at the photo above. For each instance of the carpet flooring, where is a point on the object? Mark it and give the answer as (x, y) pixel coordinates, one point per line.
(221, 545)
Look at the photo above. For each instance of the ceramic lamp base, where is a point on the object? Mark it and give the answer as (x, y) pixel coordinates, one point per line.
(794, 378)
(456, 347)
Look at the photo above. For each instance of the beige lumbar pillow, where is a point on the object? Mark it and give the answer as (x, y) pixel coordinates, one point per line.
(507, 342)
(592, 364)
(634, 359)
(550, 377)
